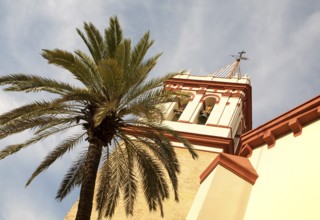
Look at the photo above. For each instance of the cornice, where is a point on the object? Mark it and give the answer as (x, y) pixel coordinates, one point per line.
(238, 165)
(291, 121)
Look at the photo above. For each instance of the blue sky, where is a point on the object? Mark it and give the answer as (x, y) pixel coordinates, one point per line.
(281, 37)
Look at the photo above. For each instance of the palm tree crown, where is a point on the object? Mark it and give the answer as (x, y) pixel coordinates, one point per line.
(119, 112)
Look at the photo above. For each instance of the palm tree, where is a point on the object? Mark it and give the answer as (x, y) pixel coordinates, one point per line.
(119, 113)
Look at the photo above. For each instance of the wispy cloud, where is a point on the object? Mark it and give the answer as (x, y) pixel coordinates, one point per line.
(282, 40)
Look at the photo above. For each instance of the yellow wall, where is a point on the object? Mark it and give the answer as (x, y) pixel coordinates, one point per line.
(288, 186)
(188, 186)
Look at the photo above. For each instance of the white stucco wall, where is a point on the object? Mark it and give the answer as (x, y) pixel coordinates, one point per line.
(288, 186)
(222, 195)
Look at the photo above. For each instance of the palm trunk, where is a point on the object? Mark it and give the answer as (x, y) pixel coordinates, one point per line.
(88, 183)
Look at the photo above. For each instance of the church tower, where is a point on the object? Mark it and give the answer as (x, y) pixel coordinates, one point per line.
(217, 112)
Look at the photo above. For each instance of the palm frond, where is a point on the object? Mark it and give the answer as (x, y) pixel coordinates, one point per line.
(78, 98)
(112, 76)
(93, 41)
(72, 178)
(154, 83)
(122, 54)
(148, 105)
(111, 175)
(32, 83)
(14, 148)
(53, 128)
(90, 63)
(136, 78)
(154, 126)
(24, 124)
(104, 183)
(185, 142)
(33, 109)
(151, 172)
(162, 149)
(130, 188)
(73, 64)
(39, 119)
(58, 152)
(96, 41)
(112, 37)
(135, 92)
(130, 180)
(58, 125)
(139, 51)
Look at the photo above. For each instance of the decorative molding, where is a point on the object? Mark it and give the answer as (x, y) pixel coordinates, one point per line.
(227, 93)
(295, 126)
(226, 144)
(238, 165)
(246, 151)
(291, 121)
(236, 94)
(201, 89)
(204, 97)
(269, 138)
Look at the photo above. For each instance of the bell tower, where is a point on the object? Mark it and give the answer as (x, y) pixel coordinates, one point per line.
(218, 110)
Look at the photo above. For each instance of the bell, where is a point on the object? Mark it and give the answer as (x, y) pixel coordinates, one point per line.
(178, 112)
(203, 117)
(177, 115)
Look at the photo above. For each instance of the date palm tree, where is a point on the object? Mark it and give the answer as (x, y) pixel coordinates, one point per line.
(118, 111)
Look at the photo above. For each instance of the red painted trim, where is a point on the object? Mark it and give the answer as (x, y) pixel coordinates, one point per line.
(226, 94)
(226, 144)
(269, 138)
(291, 121)
(191, 96)
(220, 126)
(246, 150)
(240, 166)
(201, 91)
(217, 98)
(184, 121)
(295, 126)
(238, 94)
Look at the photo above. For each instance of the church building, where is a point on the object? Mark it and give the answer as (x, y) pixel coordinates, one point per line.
(270, 172)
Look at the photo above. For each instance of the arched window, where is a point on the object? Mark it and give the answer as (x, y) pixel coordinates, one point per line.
(179, 108)
(206, 110)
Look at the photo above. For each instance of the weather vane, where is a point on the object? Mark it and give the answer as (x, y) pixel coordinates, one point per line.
(239, 56)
